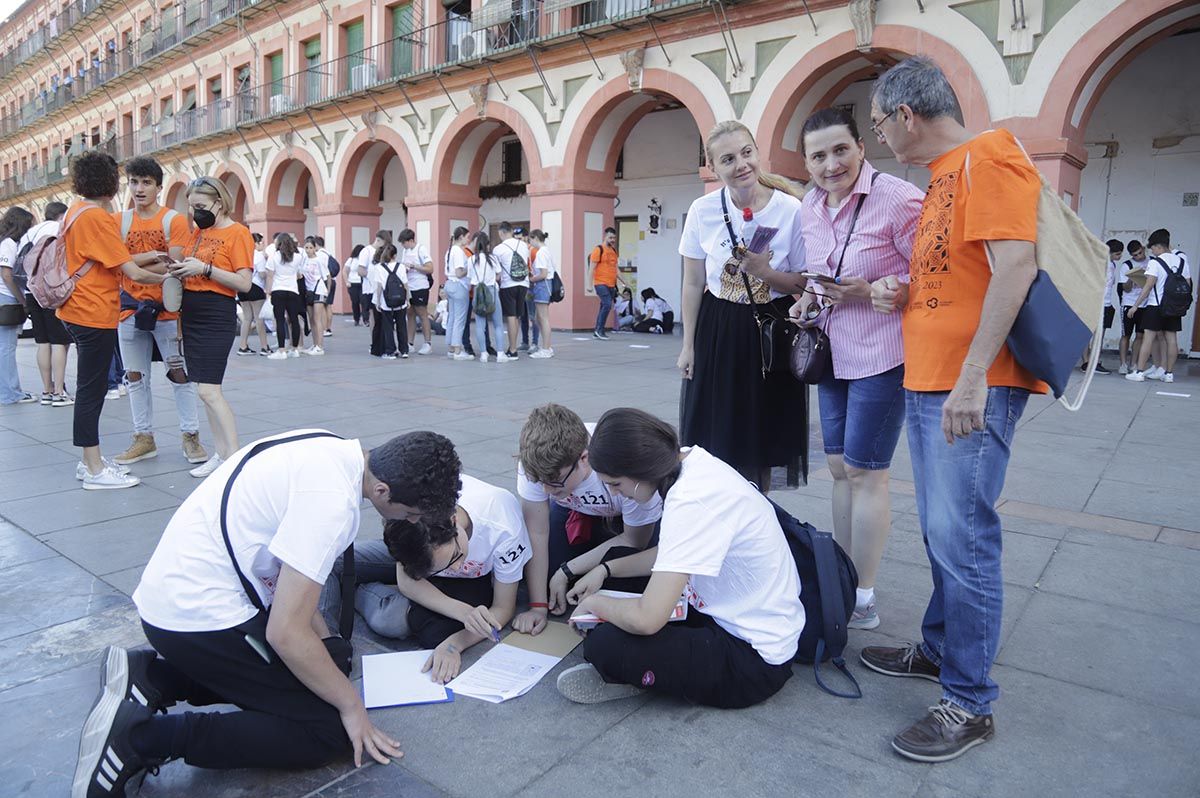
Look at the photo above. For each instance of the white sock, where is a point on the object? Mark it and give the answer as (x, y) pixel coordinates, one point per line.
(863, 596)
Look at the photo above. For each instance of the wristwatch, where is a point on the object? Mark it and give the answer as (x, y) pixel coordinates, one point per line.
(571, 577)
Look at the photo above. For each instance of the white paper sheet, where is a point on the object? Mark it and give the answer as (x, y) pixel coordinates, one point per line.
(503, 673)
(395, 679)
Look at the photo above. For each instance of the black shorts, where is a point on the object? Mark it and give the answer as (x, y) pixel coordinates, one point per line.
(209, 327)
(1109, 313)
(419, 298)
(512, 300)
(255, 294)
(1152, 319)
(1128, 325)
(47, 327)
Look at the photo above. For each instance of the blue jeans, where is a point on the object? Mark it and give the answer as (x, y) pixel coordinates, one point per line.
(10, 380)
(456, 312)
(136, 348)
(861, 419)
(957, 488)
(607, 294)
(496, 320)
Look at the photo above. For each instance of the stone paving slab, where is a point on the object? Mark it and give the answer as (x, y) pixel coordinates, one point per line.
(1098, 634)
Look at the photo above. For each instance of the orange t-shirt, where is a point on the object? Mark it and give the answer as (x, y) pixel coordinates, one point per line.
(604, 259)
(146, 235)
(96, 300)
(949, 271)
(228, 248)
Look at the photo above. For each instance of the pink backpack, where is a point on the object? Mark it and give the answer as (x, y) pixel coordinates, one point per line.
(49, 280)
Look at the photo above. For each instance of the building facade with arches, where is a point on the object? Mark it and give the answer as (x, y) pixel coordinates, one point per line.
(342, 118)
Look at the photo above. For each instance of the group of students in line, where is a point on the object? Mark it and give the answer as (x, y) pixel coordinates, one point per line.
(1150, 328)
(245, 584)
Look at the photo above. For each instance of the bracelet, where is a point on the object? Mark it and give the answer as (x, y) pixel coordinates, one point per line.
(607, 570)
(535, 605)
(567, 572)
(208, 271)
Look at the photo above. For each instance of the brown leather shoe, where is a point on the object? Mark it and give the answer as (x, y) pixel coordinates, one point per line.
(946, 733)
(142, 448)
(192, 449)
(908, 660)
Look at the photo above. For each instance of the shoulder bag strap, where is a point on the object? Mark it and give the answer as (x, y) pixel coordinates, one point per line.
(126, 224)
(732, 247)
(168, 218)
(853, 221)
(346, 620)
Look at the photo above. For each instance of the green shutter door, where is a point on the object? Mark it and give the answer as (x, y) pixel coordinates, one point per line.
(354, 46)
(276, 73)
(315, 75)
(402, 39)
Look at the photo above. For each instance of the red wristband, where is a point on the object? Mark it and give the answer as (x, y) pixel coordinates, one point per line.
(539, 604)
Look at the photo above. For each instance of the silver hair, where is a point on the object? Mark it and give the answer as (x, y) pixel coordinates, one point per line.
(920, 84)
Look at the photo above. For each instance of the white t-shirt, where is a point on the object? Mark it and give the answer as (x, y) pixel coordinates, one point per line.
(295, 503)
(706, 238)
(1111, 271)
(40, 230)
(624, 307)
(411, 258)
(545, 262)
(1174, 261)
(285, 273)
(258, 276)
(367, 258)
(504, 254)
(481, 270)
(378, 274)
(655, 308)
(8, 257)
(1131, 290)
(316, 274)
(351, 270)
(722, 532)
(592, 497)
(456, 258)
(499, 539)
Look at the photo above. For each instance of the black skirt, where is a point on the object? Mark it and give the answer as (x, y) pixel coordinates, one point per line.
(728, 408)
(255, 294)
(209, 327)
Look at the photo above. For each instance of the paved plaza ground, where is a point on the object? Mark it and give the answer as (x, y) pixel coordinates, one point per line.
(1100, 635)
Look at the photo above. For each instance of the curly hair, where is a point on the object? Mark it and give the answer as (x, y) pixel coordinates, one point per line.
(421, 469)
(144, 167)
(553, 438)
(411, 544)
(94, 175)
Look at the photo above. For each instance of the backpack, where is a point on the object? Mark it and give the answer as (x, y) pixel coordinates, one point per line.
(827, 584)
(168, 217)
(518, 269)
(557, 292)
(50, 282)
(335, 268)
(394, 291)
(484, 299)
(1176, 295)
(19, 274)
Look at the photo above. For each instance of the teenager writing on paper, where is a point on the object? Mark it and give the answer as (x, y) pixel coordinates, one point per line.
(572, 516)
(720, 543)
(449, 582)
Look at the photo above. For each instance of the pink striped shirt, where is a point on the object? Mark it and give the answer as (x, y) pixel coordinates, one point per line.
(863, 342)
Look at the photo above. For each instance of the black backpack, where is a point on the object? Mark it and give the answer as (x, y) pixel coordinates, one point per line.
(335, 268)
(827, 584)
(557, 291)
(394, 290)
(1176, 295)
(19, 273)
(518, 269)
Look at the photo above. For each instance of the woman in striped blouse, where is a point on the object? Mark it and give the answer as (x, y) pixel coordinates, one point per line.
(865, 221)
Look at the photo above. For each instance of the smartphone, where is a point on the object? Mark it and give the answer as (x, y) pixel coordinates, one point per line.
(820, 278)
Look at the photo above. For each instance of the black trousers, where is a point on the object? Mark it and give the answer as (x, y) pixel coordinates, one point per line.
(281, 723)
(357, 309)
(287, 314)
(377, 330)
(430, 628)
(96, 347)
(395, 331)
(694, 659)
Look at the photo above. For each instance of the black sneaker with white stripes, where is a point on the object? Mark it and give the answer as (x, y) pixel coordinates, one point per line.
(123, 673)
(107, 760)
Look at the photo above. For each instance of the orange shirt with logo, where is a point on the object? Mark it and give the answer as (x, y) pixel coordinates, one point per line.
(94, 236)
(229, 248)
(146, 235)
(604, 261)
(950, 272)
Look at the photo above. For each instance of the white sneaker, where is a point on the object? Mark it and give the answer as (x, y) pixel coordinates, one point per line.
(293, 353)
(425, 349)
(122, 389)
(583, 684)
(113, 394)
(278, 354)
(1168, 377)
(387, 357)
(501, 357)
(1136, 376)
(1123, 370)
(81, 470)
(317, 350)
(109, 479)
(1156, 373)
(462, 356)
(483, 357)
(207, 467)
(327, 333)
(543, 354)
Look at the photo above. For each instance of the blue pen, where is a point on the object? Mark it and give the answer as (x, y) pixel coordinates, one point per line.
(495, 636)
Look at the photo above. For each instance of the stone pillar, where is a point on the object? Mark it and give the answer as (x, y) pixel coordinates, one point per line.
(273, 219)
(433, 217)
(342, 226)
(574, 222)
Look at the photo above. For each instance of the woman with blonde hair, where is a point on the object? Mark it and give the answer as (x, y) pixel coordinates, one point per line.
(749, 419)
(218, 263)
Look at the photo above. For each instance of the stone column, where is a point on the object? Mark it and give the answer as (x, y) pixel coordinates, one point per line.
(343, 226)
(574, 222)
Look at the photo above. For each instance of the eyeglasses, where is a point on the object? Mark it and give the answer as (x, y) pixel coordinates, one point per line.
(458, 555)
(875, 126)
(200, 182)
(563, 482)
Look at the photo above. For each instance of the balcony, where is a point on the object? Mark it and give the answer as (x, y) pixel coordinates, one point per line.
(424, 52)
(47, 33)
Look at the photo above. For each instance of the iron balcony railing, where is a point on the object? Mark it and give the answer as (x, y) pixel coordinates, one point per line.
(455, 41)
(46, 33)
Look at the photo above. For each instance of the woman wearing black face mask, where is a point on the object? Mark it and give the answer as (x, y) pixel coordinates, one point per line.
(219, 264)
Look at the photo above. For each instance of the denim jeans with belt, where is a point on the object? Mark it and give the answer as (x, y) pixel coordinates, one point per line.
(957, 488)
(606, 293)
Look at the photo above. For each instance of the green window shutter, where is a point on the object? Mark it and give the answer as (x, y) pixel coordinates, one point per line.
(401, 41)
(354, 37)
(276, 73)
(352, 80)
(312, 48)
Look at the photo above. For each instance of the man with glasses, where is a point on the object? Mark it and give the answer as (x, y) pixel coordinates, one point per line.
(573, 519)
(263, 531)
(448, 583)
